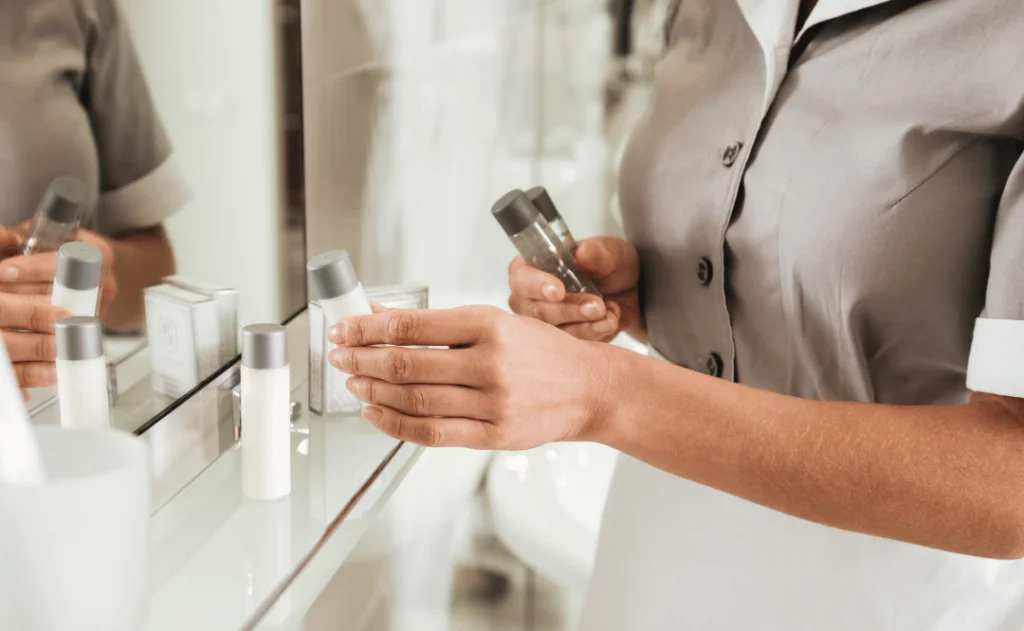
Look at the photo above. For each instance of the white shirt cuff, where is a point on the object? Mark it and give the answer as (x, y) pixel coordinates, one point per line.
(144, 203)
(996, 365)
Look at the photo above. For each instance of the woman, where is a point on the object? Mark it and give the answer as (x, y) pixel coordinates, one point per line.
(825, 211)
(73, 101)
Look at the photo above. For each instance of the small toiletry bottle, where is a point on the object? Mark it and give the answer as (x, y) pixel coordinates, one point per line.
(341, 295)
(266, 411)
(20, 459)
(76, 287)
(58, 215)
(82, 374)
(538, 243)
(540, 198)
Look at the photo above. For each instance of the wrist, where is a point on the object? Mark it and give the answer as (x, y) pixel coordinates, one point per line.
(609, 387)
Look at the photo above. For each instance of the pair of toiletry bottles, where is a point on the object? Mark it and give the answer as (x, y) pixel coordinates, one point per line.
(266, 388)
(538, 231)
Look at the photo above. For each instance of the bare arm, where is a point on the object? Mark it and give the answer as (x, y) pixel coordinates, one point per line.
(949, 477)
(141, 259)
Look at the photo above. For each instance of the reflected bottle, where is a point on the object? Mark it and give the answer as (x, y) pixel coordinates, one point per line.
(81, 374)
(538, 195)
(538, 243)
(76, 287)
(59, 214)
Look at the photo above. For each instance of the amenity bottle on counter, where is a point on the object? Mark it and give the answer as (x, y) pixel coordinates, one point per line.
(57, 218)
(266, 412)
(537, 242)
(82, 374)
(76, 287)
(540, 198)
(341, 295)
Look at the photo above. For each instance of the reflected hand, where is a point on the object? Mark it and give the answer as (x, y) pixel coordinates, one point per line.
(27, 324)
(33, 274)
(507, 382)
(11, 241)
(612, 263)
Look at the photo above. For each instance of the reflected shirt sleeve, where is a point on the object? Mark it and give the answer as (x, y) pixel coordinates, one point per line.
(140, 182)
(996, 364)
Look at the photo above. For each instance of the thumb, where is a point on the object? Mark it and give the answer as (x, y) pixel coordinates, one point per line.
(595, 258)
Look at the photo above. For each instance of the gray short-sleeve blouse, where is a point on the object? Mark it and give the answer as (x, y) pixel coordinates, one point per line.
(74, 101)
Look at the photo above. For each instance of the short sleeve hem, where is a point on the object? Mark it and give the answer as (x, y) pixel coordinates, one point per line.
(144, 203)
(996, 364)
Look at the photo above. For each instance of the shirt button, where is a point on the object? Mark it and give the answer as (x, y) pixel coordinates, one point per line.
(704, 271)
(731, 153)
(714, 365)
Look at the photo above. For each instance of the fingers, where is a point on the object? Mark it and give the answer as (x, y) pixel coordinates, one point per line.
(530, 283)
(27, 289)
(411, 327)
(433, 432)
(600, 331)
(30, 347)
(575, 308)
(610, 261)
(10, 241)
(422, 400)
(399, 365)
(35, 374)
(34, 268)
(32, 313)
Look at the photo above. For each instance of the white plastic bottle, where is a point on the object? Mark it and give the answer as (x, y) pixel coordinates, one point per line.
(341, 295)
(77, 283)
(82, 374)
(266, 413)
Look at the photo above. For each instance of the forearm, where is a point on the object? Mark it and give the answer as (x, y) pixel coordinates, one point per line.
(949, 477)
(141, 259)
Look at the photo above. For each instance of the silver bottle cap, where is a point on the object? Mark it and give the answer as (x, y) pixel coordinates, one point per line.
(79, 337)
(64, 199)
(540, 198)
(331, 274)
(79, 265)
(264, 346)
(515, 212)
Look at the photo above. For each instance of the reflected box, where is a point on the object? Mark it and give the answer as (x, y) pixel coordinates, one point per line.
(183, 328)
(227, 306)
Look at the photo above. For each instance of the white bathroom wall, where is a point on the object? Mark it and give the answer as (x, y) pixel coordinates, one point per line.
(212, 68)
(420, 113)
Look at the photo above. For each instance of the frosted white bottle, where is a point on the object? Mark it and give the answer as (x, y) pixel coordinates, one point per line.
(81, 374)
(266, 413)
(76, 287)
(341, 295)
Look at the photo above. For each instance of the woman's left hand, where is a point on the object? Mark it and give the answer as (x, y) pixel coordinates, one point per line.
(507, 382)
(33, 274)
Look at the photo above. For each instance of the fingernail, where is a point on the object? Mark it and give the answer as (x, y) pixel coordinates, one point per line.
(338, 333)
(355, 386)
(550, 292)
(11, 274)
(50, 373)
(603, 327)
(338, 358)
(372, 413)
(591, 310)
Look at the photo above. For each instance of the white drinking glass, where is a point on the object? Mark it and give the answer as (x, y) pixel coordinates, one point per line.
(74, 550)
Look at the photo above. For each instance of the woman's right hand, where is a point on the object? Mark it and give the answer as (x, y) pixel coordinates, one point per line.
(613, 264)
(27, 323)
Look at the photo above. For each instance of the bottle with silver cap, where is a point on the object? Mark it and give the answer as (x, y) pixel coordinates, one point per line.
(266, 406)
(76, 287)
(537, 242)
(341, 295)
(540, 198)
(81, 374)
(58, 216)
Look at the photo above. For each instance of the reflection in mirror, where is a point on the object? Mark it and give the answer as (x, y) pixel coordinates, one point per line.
(134, 127)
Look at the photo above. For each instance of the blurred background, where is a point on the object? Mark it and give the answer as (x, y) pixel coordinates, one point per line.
(388, 128)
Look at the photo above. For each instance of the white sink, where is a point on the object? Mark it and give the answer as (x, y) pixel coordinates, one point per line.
(547, 503)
